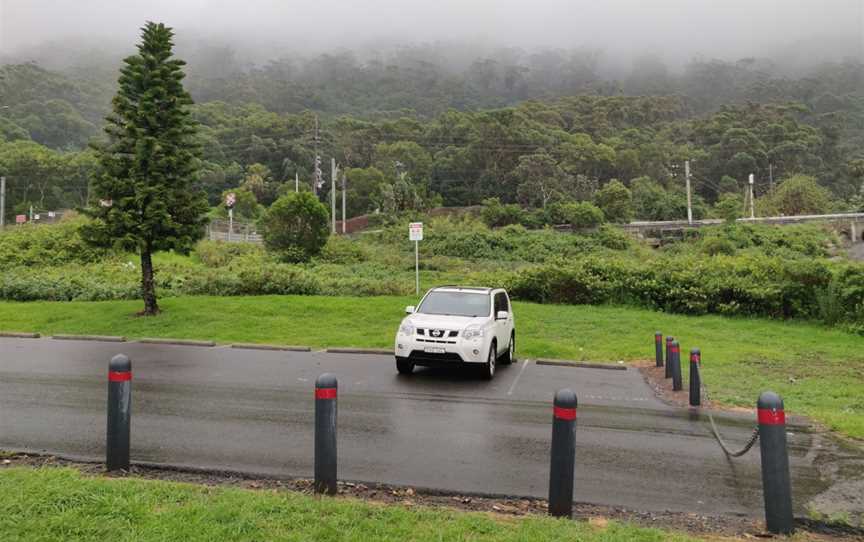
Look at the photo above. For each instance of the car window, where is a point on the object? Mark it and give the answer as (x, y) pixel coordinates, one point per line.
(455, 304)
(501, 302)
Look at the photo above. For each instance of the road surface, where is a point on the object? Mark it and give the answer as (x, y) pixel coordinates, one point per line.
(251, 410)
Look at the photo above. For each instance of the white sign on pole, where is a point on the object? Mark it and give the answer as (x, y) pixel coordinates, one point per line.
(415, 231)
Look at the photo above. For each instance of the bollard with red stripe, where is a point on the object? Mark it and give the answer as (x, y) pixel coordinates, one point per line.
(669, 356)
(119, 413)
(658, 348)
(695, 379)
(562, 467)
(325, 434)
(676, 367)
(776, 485)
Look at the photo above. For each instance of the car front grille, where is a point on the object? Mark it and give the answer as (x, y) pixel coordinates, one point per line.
(437, 333)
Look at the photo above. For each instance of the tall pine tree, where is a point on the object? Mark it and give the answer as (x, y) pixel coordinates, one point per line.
(145, 198)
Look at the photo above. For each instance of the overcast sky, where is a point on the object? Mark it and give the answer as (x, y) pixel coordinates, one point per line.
(723, 28)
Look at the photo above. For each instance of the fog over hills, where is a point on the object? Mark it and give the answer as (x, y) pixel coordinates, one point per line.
(790, 32)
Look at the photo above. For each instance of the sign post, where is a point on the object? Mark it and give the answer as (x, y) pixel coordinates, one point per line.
(415, 233)
(230, 200)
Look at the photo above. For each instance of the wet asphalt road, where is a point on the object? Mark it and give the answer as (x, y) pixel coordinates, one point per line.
(250, 410)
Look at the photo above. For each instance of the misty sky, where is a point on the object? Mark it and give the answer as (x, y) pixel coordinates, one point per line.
(723, 28)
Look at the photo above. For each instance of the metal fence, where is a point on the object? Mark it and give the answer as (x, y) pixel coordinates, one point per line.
(238, 232)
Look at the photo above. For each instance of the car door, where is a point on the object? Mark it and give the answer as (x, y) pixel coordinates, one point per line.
(502, 331)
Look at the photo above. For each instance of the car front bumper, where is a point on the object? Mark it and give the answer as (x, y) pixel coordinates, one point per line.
(422, 351)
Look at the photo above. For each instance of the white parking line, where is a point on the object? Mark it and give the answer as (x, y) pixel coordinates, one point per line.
(516, 380)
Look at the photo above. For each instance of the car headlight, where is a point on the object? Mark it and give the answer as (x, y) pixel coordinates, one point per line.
(471, 332)
(406, 329)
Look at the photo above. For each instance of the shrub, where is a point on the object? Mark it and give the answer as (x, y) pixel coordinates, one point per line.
(296, 227)
(220, 253)
(751, 286)
(343, 251)
(729, 207)
(616, 201)
(47, 245)
(715, 245)
(496, 215)
(582, 215)
(613, 237)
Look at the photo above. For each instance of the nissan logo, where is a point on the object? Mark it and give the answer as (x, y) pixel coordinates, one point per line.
(437, 332)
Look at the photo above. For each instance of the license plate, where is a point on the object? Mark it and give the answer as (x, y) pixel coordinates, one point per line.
(433, 350)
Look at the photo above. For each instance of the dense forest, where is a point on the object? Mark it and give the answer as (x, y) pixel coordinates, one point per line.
(412, 132)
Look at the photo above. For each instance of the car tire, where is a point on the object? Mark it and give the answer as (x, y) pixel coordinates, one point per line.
(510, 356)
(404, 366)
(489, 366)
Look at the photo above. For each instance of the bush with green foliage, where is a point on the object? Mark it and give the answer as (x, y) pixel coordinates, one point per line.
(47, 245)
(340, 250)
(798, 195)
(616, 201)
(729, 207)
(747, 286)
(496, 215)
(220, 253)
(582, 215)
(296, 227)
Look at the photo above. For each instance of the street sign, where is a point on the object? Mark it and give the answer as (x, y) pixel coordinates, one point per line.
(20, 219)
(415, 231)
(230, 200)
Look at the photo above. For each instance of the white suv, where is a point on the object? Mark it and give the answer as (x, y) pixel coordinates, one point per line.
(457, 325)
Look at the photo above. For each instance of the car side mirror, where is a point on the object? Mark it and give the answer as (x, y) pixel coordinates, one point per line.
(502, 315)
(409, 309)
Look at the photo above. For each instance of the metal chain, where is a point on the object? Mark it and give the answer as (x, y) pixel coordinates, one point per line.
(753, 437)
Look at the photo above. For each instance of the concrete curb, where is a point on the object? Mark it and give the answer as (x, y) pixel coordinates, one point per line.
(379, 351)
(284, 348)
(19, 335)
(177, 342)
(99, 338)
(580, 365)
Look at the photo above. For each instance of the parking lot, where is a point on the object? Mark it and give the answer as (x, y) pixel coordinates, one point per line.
(251, 410)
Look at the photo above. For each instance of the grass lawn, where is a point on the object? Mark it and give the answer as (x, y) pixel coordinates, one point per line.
(60, 504)
(818, 370)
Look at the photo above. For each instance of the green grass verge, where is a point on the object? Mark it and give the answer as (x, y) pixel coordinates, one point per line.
(818, 370)
(51, 504)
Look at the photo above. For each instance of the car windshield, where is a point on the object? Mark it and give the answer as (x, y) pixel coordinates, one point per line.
(455, 304)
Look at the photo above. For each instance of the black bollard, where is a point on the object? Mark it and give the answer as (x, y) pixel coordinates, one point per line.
(669, 356)
(658, 348)
(119, 413)
(563, 454)
(695, 379)
(676, 367)
(776, 486)
(325, 434)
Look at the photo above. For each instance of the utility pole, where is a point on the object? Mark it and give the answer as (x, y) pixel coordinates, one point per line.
(344, 202)
(31, 213)
(752, 206)
(296, 182)
(689, 200)
(2, 202)
(333, 173)
(316, 176)
(771, 177)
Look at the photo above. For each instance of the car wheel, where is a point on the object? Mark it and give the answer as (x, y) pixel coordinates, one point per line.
(489, 366)
(404, 367)
(510, 356)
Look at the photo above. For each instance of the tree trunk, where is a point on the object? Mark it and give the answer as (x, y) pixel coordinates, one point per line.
(148, 287)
